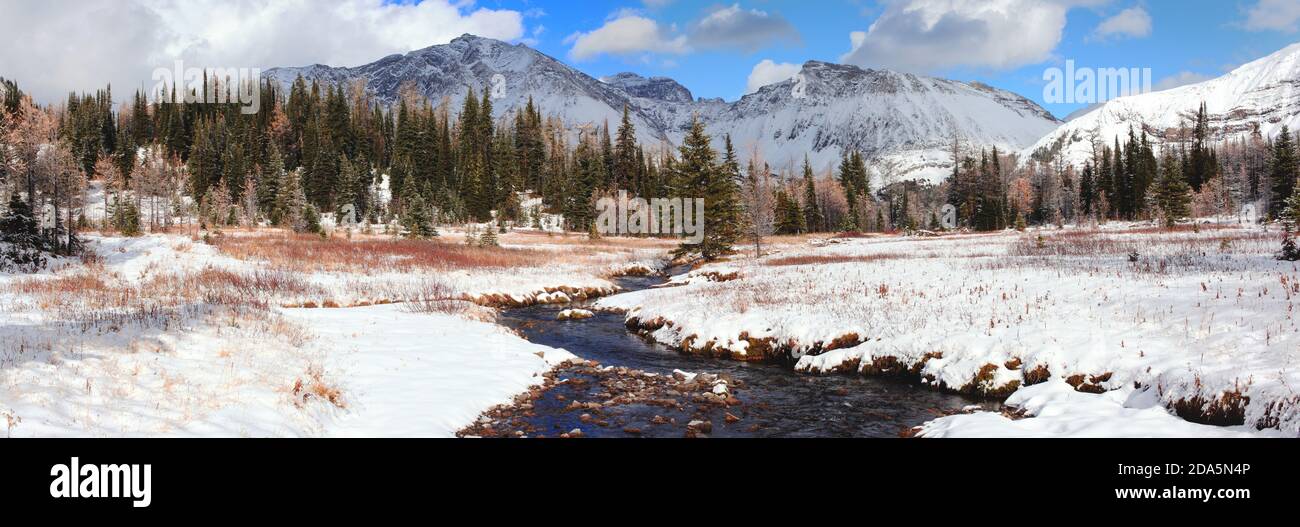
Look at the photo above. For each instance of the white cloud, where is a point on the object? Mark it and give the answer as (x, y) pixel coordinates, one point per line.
(628, 34)
(768, 72)
(1273, 15)
(1181, 78)
(1132, 22)
(927, 35)
(747, 29)
(84, 44)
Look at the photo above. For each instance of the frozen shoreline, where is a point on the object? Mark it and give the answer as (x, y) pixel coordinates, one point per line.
(1201, 318)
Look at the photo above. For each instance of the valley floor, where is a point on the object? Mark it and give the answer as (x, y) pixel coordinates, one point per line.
(166, 335)
(1113, 331)
(1122, 330)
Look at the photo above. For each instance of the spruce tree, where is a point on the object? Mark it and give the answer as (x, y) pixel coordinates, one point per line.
(849, 179)
(290, 202)
(789, 218)
(1284, 172)
(21, 244)
(1292, 212)
(488, 238)
(1173, 195)
(626, 165)
(699, 176)
(416, 218)
(813, 219)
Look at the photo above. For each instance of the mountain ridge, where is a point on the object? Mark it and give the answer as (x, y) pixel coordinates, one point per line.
(902, 122)
(1263, 92)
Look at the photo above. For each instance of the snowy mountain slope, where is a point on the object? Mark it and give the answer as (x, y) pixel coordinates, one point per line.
(903, 119)
(893, 118)
(1264, 91)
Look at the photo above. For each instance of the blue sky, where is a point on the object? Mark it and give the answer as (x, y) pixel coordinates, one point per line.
(1179, 40)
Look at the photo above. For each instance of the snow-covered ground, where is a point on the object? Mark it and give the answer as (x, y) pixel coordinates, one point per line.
(1205, 320)
(419, 375)
(1056, 409)
(1122, 331)
(163, 335)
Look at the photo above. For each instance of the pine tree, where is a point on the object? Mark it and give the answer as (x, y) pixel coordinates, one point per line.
(1173, 195)
(626, 165)
(789, 218)
(269, 183)
(488, 238)
(848, 180)
(698, 175)
(1087, 190)
(1284, 172)
(349, 191)
(125, 217)
(1201, 165)
(21, 245)
(416, 218)
(290, 202)
(1291, 213)
(813, 220)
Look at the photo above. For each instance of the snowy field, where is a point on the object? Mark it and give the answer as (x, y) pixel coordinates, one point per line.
(1123, 330)
(1140, 326)
(166, 335)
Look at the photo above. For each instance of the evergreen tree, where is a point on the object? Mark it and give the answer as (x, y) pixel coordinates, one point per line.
(1087, 190)
(1105, 182)
(1173, 195)
(290, 202)
(21, 245)
(488, 238)
(698, 175)
(853, 177)
(416, 218)
(789, 218)
(1201, 165)
(269, 183)
(1292, 212)
(126, 217)
(626, 164)
(813, 220)
(1284, 172)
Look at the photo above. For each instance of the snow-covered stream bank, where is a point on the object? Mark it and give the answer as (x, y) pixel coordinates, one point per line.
(163, 336)
(1201, 319)
(419, 375)
(166, 336)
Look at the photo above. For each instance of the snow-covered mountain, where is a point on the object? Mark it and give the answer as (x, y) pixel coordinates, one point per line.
(1263, 92)
(899, 120)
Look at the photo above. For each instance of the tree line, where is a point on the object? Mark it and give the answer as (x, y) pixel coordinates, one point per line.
(334, 148)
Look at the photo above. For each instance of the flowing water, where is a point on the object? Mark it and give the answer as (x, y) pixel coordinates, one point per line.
(778, 402)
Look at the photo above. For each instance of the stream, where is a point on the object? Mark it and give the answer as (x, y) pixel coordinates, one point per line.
(776, 402)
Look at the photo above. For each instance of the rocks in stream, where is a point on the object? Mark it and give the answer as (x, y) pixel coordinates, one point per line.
(584, 392)
(574, 314)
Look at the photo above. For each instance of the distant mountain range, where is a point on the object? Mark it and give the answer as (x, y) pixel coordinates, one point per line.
(1265, 92)
(901, 121)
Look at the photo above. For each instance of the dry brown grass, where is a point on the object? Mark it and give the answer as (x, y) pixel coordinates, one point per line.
(91, 299)
(312, 253)
(1118, 243)
(626, 242)
(815, 259)
(315, 387)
